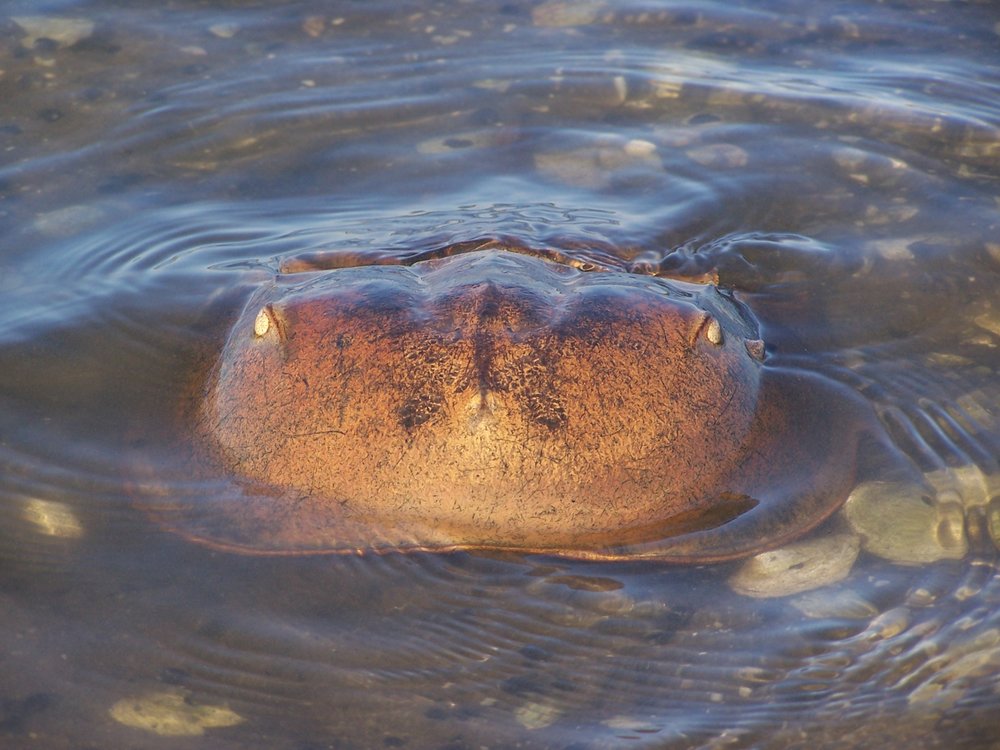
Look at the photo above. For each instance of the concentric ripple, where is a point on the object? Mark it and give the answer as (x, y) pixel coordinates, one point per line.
(836, 169)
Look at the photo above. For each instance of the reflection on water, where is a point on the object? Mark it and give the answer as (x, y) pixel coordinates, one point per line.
(838, 169)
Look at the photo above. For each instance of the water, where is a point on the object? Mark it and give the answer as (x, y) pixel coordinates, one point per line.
(838, 167)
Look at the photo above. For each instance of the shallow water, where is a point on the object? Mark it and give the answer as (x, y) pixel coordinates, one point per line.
(838, 168)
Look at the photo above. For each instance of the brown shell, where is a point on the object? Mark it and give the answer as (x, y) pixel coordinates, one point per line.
(494, 400)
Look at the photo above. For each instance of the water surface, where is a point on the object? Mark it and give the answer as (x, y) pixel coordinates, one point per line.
(838, 167)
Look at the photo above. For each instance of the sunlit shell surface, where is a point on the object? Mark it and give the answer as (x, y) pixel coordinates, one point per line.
(502, 400)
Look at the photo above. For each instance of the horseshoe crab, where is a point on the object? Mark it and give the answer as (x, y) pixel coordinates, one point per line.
(494, 397)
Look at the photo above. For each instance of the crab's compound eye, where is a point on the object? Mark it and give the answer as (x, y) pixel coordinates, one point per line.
(707, 325)
(713, 332)
(263, 322)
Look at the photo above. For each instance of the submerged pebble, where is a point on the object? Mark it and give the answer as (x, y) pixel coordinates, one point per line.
(844, 604)
(632, 724)
(536, 715)
(977, 494)
(169, 714)
(458, 142)
(721, 155)
(314, 26)
(989, 321)
(598, 165)
(901, 522)
(563, 13)
(893, 249)
(798, 567)
(65, 32)
(224, 30)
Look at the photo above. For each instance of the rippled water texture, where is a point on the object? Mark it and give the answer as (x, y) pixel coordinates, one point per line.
(835, 165)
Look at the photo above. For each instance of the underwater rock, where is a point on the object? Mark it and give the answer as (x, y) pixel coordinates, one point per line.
(169, 714)
(797, 567)
(65, 32)
(901, 522)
